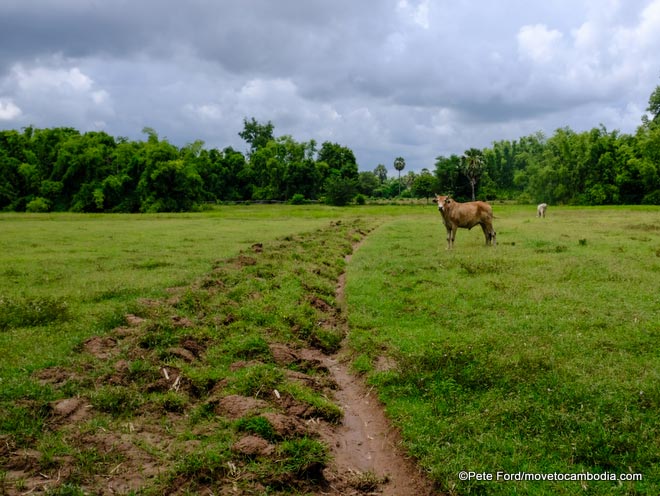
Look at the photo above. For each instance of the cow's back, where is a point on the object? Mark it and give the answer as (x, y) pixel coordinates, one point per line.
(471, 213)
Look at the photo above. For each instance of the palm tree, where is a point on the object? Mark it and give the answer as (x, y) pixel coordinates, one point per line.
(399, 164)
(472, 163)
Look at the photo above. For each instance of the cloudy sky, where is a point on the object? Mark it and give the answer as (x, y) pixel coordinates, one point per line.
(386, 78)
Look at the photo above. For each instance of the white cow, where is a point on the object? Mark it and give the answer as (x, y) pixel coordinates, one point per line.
(540, 210)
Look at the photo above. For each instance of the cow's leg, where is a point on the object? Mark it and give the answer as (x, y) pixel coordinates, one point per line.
(486, 231)
(489, 234)
(448, 238)
(452, 237)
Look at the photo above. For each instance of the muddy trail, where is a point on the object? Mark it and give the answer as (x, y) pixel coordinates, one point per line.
(365, 442)
(237, 384)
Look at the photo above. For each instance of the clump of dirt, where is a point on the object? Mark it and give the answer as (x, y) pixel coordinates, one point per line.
(253, 446)
(321, 305)
(182, 353)
(235, 406)
(101, 347)
(54, 376)
(287, 426)
(134, 320)
(179, 321)
(244, 260)
(70, 409)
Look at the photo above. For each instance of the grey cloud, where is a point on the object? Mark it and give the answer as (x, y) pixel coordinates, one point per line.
(412, 78)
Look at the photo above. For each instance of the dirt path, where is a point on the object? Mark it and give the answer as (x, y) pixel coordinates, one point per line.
(366, 445)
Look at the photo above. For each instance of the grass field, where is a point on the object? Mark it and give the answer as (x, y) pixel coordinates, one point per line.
(538, 356)
(64, 277)
(95, 310)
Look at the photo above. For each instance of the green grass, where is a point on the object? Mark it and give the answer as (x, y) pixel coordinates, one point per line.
(538, 356)
(65, 277)
(152, 391)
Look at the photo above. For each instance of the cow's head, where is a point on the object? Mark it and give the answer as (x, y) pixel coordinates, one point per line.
(442, 201)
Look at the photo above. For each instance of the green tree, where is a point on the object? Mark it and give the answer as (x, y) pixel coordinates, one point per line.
(11, 182)
(381, 173)
(283, 168)
(45, 144)
(499, 163)
(367, 183)
(302, 175)
(83, 162)
(654, 104)
(129, 161)
(447, 174)
(472, 165)
(646, 161)
(38, 205)
(255, 134)
(220, 172)
(389, 189)
(339, 159)
(399, 165)
(170, 186)
(425, 185)
(168, 182)
(339, 191)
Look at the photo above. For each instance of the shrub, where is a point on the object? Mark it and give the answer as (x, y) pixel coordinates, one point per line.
(297, 199)
(339, 191)
(39, 204)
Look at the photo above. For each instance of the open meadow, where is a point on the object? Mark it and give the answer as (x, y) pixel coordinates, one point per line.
(122, 337)
(70, 276)
(540, 356)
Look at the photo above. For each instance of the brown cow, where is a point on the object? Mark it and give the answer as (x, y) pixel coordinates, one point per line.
(467, 215)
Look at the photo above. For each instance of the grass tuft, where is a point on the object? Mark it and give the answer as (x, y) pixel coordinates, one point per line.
(30, 312)
(258, 426)
(302, 457)
(116, 400)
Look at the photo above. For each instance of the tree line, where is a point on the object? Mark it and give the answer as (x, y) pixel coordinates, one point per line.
(62, 169)
(595, 167)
